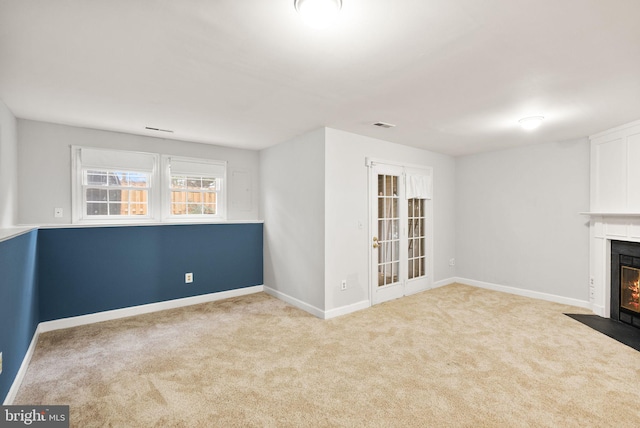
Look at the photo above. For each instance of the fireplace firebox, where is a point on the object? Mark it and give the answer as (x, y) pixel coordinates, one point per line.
(625, 282)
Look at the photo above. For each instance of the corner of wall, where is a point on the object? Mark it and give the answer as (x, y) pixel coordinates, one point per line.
(8, 168)
(292, 203)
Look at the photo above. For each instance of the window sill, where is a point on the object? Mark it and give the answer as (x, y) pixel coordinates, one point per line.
(130, 224)
(610, 214)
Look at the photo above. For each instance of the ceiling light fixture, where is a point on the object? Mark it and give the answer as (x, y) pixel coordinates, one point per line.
(318, 13)
(529, 123)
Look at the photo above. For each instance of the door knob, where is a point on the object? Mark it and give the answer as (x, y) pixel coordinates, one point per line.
(375, 242)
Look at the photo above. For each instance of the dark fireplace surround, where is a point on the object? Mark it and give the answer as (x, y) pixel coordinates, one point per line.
(625, 279)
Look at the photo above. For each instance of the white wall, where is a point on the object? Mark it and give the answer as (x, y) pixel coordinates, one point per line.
(518, 222)
(346, 198)
(44, 166)
(8, 168)
(292, 205)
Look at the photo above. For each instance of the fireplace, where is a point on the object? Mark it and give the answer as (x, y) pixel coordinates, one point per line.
(625, 282)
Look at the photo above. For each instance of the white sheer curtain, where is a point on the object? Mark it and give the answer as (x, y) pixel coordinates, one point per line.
(418, 186)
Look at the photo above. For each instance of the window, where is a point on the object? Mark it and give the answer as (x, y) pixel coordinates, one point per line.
(112, 185)
(195, 188)
(115, 193)
(192, 195)
(116, 186)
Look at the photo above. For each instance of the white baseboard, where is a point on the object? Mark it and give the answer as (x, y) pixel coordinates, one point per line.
(295, 302)
(344, 310)
(444, 282)
(22, 371)
(526, 293)
(598, 310)
(332, 313)
(145, 309)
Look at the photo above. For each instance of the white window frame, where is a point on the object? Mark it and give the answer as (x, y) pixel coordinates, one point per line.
(110, 161)
(217, 169)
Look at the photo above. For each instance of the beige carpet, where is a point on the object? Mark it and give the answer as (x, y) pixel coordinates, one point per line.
(454, 356)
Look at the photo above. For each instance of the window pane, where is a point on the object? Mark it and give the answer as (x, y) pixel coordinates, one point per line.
(115, 179)
(209, 209)
(138, 179)
(178, 208)
(209, 183)
(118, 209)
(96, 178)
(115, 195)
(97, 208)
(194, 197)
(135, 195)
(96, 195)
(178, 182)
(138, 209)
(194, 183)
(389, 185)
(209, 198)
(177, 197)
(194, 209)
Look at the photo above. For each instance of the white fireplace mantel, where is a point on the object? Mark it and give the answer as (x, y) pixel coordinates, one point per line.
(615, 205)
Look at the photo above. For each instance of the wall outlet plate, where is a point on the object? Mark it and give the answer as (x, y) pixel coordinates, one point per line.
(57, 212)
(343, 285)
(188, 278)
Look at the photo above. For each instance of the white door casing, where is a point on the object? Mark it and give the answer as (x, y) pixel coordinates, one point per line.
(401, 234)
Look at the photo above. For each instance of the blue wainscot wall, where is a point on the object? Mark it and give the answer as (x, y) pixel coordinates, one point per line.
(53, 274)
(18, 304)
(88, 270)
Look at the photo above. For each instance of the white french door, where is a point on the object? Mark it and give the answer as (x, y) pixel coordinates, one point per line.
(400, 236)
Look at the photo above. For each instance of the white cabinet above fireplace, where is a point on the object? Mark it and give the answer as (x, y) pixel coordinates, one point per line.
(615, 171)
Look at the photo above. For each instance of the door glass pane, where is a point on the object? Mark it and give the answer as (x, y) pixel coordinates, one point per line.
(416, 238)
(388, 230)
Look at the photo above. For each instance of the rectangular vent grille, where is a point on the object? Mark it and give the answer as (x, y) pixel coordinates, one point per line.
(384, 125)
(158, 129)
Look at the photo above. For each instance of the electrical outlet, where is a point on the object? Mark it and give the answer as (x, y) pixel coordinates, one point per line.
(57, 212)
(452, 262)
(188, 278)
(343, 285)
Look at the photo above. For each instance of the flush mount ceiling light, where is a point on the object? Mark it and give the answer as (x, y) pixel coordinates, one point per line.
(530, 123)
(318, 13)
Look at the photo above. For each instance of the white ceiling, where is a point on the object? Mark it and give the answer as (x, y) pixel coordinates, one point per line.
(453, 75)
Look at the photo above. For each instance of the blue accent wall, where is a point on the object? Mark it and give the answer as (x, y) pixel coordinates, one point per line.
(59, 273)
(94, 269)
(18, 303)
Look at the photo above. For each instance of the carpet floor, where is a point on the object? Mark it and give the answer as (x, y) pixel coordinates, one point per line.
(454, 356)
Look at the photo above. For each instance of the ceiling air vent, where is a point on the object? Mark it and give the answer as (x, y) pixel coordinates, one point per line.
(158, 129)
(384, 125)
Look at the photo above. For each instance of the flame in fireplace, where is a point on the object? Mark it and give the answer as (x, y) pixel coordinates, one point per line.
(630, 288)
